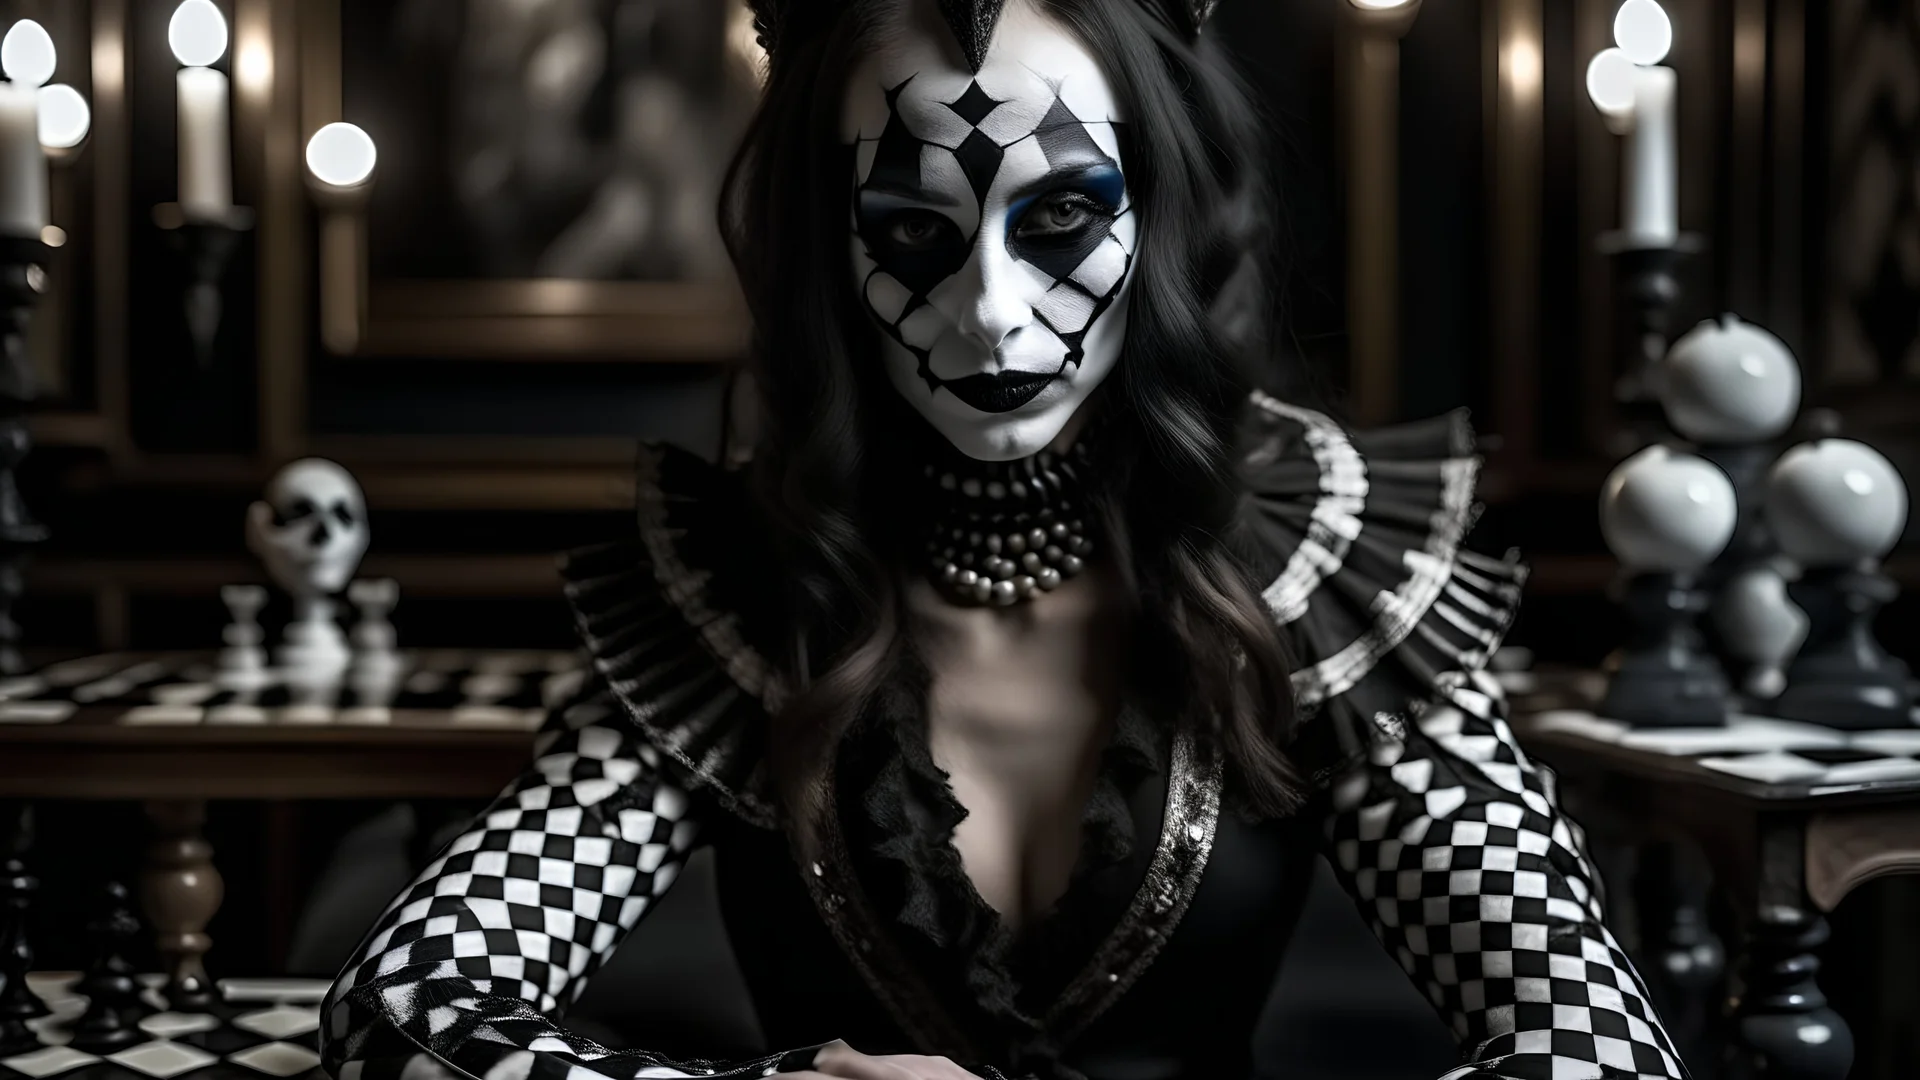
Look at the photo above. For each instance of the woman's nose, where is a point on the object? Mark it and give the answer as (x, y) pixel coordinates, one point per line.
(991, 304)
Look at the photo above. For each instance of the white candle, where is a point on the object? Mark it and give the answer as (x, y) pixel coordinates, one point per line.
(23, 164)
(206, 177)
(1650, 206)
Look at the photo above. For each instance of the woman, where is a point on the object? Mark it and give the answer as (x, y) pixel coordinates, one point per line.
(1021, 676)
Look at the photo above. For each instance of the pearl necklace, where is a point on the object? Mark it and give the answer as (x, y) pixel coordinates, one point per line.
(1006, 531)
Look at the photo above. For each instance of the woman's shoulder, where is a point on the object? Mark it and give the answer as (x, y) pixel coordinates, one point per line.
(674, 612)
(1357, 540)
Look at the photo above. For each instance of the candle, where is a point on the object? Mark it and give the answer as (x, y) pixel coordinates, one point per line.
(23, 164)
(1650, 210)
(206, 179)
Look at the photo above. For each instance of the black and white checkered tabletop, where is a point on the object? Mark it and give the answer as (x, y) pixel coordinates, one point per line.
(447, 687)
(1762, 750)
(263, 1028)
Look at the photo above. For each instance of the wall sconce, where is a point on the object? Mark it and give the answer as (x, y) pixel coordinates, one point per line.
(1373, 203)
(204, 227)
(341, 160)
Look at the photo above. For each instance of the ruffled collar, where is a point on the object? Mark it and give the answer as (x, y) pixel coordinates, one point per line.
(901, 814)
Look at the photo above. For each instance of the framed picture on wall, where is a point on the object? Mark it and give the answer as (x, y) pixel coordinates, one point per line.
(547, 179)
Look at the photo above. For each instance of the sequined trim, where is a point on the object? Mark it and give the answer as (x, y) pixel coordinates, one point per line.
(1179, 861)
(835, 887)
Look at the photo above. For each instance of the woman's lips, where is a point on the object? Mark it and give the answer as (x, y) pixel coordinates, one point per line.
(1000, 391)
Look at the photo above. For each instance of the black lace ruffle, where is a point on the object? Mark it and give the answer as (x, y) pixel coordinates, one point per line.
(904, 813)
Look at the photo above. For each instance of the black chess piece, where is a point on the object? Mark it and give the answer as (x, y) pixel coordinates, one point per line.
(1664, 676)
(114, 1007)
(1842, 676)
(18, 1003)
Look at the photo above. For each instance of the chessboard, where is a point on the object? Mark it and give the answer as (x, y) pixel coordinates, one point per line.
(1759, 756)
(259, 1028)
(426, 688)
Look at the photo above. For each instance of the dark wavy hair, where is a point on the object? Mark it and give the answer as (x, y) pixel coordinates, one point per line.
(826, 464)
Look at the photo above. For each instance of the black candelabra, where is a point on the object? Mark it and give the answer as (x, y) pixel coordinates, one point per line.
(206, 243)
(1647, 279)
(23, 263)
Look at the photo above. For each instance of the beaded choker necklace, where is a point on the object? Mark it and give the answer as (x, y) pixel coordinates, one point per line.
(1006, 531)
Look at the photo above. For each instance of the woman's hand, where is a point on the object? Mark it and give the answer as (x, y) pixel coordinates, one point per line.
(838, 1061)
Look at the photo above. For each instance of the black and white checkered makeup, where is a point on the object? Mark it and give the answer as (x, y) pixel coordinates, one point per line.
(977, 203)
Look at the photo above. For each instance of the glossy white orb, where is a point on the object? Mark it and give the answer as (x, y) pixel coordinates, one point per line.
(197, 33)
(1833, 502)
(1643, 31)
(341, 155)
(1610, 77)
(1728, 381)
(27, 55)
(64, 117)
(1660, 510)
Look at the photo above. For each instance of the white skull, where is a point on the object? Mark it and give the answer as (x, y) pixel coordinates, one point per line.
(311, 529)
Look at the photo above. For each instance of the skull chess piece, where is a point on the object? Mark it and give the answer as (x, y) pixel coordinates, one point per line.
(311, 531)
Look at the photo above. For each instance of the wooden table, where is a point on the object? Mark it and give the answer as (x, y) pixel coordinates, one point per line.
(1790, 817)
(459, 725)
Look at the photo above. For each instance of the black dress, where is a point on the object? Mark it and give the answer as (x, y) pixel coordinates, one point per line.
(1155, 963)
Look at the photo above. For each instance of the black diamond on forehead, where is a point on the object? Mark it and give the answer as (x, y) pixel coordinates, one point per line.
(974, 105)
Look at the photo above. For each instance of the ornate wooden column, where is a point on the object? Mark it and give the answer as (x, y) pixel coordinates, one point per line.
(1372, 115)
(180, 891)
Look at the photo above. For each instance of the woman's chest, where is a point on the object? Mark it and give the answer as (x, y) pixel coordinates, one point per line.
(819, 972)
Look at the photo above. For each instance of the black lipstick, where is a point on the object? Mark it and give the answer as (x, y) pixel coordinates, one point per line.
(1001, 391)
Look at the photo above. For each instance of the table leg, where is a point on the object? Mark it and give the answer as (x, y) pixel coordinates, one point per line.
(17, 888)
(181, 890)
(1783, 1029)
(1684, 960)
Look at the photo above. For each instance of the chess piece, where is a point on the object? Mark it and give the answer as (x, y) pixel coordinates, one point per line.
(1837, 507)
(1733, 389)
(18, 1003)
(114, 1007)
(311, 531)
(376, 663)
(243, 663)
(1729, 383)
(1759, 626)
(1665, 516)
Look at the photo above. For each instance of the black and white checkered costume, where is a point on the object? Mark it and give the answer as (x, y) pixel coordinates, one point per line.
(464, 971)
(1447, 836)
(1451, 843)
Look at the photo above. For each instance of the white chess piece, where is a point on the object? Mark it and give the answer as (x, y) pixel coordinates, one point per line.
(1835, 502)
(243, 663)
(311, 531)
(1728, 381)
(1666, 511)
(1760, 624)
(376, 666)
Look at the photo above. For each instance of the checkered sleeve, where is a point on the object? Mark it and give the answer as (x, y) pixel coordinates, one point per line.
(1453, 846)
(466, 972)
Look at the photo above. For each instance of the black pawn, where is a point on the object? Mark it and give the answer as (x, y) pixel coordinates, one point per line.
(18, 1003)
(1664, 677)
(1842, 677)
(114, 1007)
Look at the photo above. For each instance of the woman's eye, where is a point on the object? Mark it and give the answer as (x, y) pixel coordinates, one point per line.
(1059, 215)
(916, 230)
